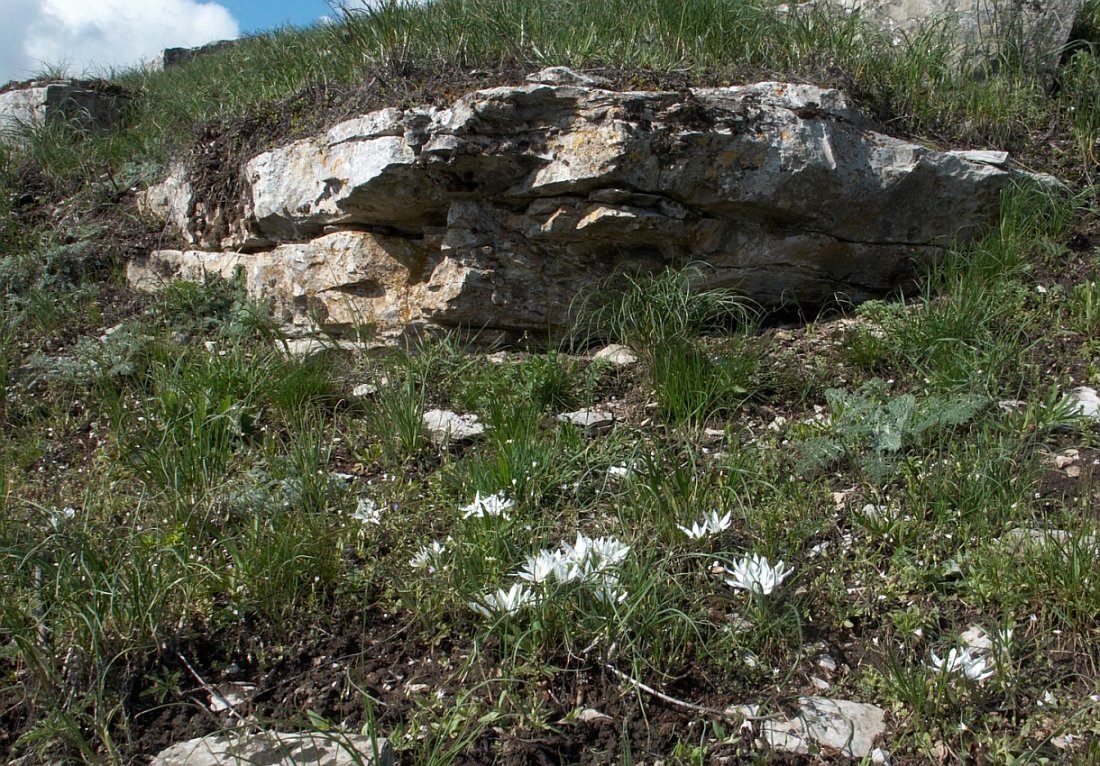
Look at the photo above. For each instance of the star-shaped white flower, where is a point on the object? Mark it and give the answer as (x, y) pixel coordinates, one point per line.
(427, 557)
(501, 602)
(590, 556)
(755, 574)
(367, 512)
(494, 505)
(711, 524)
(547, 565)
(962, 661)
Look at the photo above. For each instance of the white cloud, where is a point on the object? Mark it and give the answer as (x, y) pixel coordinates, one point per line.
(90, 36)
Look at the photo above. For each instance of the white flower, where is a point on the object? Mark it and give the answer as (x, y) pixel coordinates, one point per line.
(493, 505)
(962, 661)
(367, 512)
(757, 575)
(547, 565)
(427, 557)
(588, 557)
(697, 530)
(711, 524)
(503, 601)
(607, 590)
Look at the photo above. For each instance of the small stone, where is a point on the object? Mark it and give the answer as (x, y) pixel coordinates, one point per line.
(820, 684)
(1063, 741)
(1086, 402)
(880, 757)
(592, 421)
(278, 749)
(848, 727)
(364, 390)
(562, 75)
(616, 354)
(111, 331)
(309, 347)
(1067, 457)
(1022, 538)
(589, 715)
(620, 471)
(231, 696)
(744, 711)
(445, 427)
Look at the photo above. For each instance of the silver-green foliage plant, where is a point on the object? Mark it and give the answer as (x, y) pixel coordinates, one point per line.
(871, 429)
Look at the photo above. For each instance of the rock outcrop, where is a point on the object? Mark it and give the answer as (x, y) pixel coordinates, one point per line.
(89, 104)
(979, 32)
(172, 57)
(496, 212)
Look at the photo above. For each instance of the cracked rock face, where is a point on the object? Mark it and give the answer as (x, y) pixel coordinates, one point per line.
(495, 213)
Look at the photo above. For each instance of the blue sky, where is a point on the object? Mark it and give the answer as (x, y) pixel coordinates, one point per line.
(92, 36)
(262, 15)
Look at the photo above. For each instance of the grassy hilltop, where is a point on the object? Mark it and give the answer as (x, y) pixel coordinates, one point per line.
(184, 506)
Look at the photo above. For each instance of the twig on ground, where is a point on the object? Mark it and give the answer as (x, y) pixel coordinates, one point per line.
(729, 713)
(214, 693)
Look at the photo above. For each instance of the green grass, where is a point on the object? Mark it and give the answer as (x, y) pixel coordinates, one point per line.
(184, 484)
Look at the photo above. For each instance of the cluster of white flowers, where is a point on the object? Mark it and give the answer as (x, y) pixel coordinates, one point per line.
(974, 667)
(711, 524)
(428, 557)
(585, 560)
(494, 505)
(588, 560)
(756, 574)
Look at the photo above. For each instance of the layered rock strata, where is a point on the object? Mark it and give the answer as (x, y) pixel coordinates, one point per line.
(496, 212)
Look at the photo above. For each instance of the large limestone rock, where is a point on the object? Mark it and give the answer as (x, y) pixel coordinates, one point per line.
(91, 105)
(494, 213)
(979, 32)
